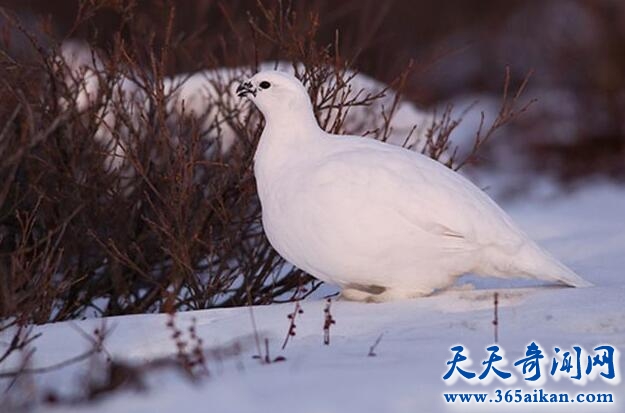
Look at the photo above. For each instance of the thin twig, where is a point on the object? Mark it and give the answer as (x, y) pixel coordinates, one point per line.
(372, 352)
(496, 317)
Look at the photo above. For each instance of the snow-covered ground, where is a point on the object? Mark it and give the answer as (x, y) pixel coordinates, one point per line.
(585, 229)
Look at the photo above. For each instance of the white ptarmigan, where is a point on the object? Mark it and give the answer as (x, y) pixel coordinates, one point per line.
(381, 222)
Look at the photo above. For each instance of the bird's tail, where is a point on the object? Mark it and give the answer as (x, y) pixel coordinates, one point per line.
(534, 262)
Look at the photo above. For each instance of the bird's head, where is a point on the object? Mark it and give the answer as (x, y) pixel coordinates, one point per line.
(276, 94)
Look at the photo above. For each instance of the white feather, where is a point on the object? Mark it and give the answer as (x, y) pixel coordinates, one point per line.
(381, 221)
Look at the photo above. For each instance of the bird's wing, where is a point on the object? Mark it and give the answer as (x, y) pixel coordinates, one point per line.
(422, 191)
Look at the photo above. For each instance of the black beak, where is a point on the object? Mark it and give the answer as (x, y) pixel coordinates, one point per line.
(246, 88)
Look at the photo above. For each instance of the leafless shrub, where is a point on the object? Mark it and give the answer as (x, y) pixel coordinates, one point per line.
(105, 375)
(328, 321)
(19, 389)
(510, 109)
(21, 337)
(97, 339)
(297, 310)
(496, 317)
(438, 143)
(152, 218)
(171, 221)
(190, 350)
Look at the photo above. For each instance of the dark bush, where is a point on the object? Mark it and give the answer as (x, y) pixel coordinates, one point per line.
(123, 200)
(156, 217)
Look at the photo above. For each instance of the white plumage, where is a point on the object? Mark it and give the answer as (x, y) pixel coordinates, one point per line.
(377, 220)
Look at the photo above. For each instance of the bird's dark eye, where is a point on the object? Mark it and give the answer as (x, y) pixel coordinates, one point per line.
(264, 84)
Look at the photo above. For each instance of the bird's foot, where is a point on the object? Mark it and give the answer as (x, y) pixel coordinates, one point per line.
(397, 295)
(351, 294)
